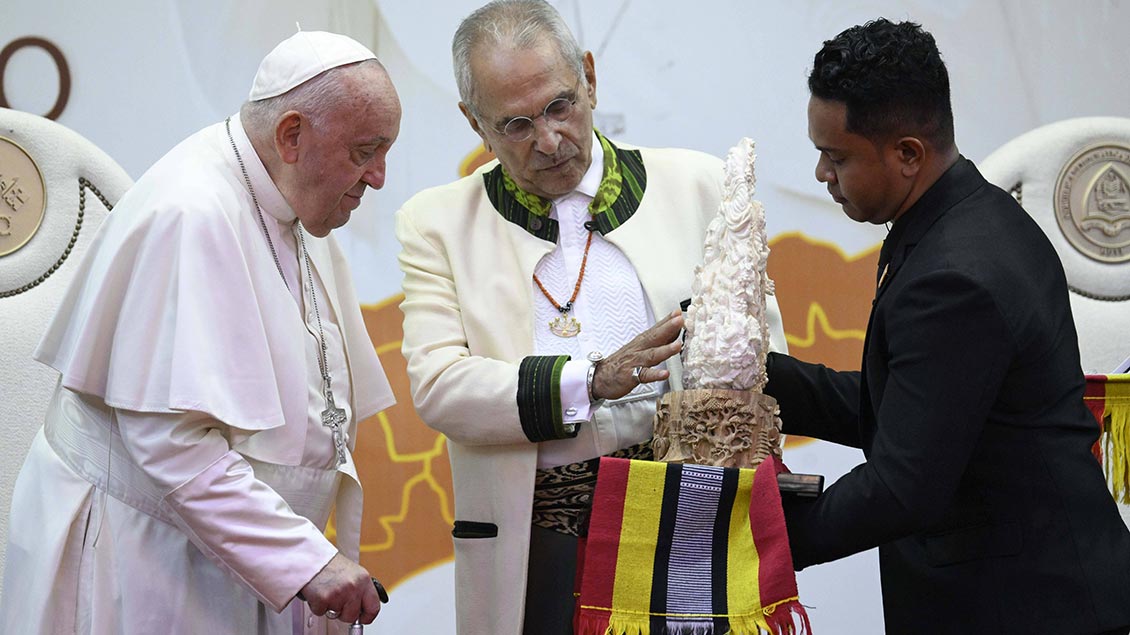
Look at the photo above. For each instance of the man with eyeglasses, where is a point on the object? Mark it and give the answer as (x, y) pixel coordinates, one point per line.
(541, 301)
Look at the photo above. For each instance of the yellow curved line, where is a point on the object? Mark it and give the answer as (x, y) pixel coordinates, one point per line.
(816, 314)
(377, 306)
(405, 498)
(387, 521)
(406, 491)
(816, 242)
(388, 346)
(396, 456)
(425, 458)
(444, 507)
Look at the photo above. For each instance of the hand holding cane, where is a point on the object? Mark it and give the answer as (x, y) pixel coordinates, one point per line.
(358, 628)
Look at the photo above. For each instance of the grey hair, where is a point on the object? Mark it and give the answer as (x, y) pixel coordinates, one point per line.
(519, 24)
(315, 98)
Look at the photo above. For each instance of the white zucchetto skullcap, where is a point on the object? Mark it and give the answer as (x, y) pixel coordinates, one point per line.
(302, 56)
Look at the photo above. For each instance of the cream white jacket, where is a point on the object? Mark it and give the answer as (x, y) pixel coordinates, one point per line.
(468, 323)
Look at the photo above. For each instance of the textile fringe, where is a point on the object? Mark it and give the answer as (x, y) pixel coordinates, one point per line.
(785, 618)
(1116, 418)
(789, 618)
(593, 623)
(1097, 406)
(1108, 399)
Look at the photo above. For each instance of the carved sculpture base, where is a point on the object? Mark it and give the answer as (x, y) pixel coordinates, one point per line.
(730, 428)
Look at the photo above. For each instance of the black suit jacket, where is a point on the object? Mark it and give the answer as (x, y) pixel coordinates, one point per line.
(980, 490)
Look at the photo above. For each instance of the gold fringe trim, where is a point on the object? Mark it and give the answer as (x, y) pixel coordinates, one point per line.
(1116, 420)
(768, 621)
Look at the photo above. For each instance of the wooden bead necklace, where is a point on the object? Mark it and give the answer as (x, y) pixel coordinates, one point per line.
(566, 325)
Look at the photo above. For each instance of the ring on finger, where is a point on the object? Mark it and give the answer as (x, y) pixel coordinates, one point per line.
(332, 614)
(636, 372)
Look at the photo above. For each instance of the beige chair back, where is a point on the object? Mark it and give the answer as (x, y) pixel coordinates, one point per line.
(55, 190)
(1073, 177)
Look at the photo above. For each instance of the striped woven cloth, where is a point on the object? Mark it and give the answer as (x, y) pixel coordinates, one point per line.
(1108, 398)
(678, 549)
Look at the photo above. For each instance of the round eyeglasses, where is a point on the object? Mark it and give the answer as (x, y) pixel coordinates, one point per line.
(521, 128)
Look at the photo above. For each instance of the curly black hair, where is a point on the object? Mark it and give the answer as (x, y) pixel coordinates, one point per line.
(892, 80)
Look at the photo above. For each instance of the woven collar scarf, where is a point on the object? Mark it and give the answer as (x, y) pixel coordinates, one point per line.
(617, 197)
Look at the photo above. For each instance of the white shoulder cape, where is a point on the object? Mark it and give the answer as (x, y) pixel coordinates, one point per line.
(178, 306)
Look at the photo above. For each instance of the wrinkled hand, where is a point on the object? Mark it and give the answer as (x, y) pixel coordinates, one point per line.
(344, 586)
(613, 377)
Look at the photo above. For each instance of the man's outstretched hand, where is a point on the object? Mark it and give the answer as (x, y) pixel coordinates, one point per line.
(615, 376)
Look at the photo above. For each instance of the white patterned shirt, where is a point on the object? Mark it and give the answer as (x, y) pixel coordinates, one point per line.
(611, 308)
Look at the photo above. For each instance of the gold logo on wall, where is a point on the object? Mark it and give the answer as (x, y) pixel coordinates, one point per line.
(1092, 202)
(23, 197)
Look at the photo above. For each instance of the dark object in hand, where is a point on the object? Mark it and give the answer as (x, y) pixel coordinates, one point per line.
(806, 485)
(383, 595)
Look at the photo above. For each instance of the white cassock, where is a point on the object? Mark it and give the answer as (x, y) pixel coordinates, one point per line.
(183, 478)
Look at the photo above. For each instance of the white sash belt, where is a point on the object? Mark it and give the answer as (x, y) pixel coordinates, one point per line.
(85, 437)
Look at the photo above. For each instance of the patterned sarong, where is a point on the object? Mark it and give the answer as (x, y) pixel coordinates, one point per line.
(680, 549)
(1108, 398)
(563, 494)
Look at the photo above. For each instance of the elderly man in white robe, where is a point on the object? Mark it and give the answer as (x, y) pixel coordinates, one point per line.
(213, 366)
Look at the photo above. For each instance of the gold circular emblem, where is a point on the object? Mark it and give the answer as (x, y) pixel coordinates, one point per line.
(1092, 202)
(23, 197)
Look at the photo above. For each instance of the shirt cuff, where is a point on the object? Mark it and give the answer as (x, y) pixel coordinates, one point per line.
(575, 404)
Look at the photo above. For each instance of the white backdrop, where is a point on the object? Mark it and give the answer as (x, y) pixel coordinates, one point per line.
(698, 75)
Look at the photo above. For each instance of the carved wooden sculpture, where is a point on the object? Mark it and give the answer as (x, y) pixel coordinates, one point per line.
(722, 418)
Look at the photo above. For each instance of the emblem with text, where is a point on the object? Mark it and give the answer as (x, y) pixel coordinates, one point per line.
(1092, 202)
(23, 197)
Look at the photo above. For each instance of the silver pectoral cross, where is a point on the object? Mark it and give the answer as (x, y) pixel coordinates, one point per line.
(334, 419)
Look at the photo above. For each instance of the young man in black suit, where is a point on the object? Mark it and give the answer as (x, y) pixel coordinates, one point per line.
(979, 488)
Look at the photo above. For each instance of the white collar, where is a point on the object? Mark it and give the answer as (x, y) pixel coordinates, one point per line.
(270, 199)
